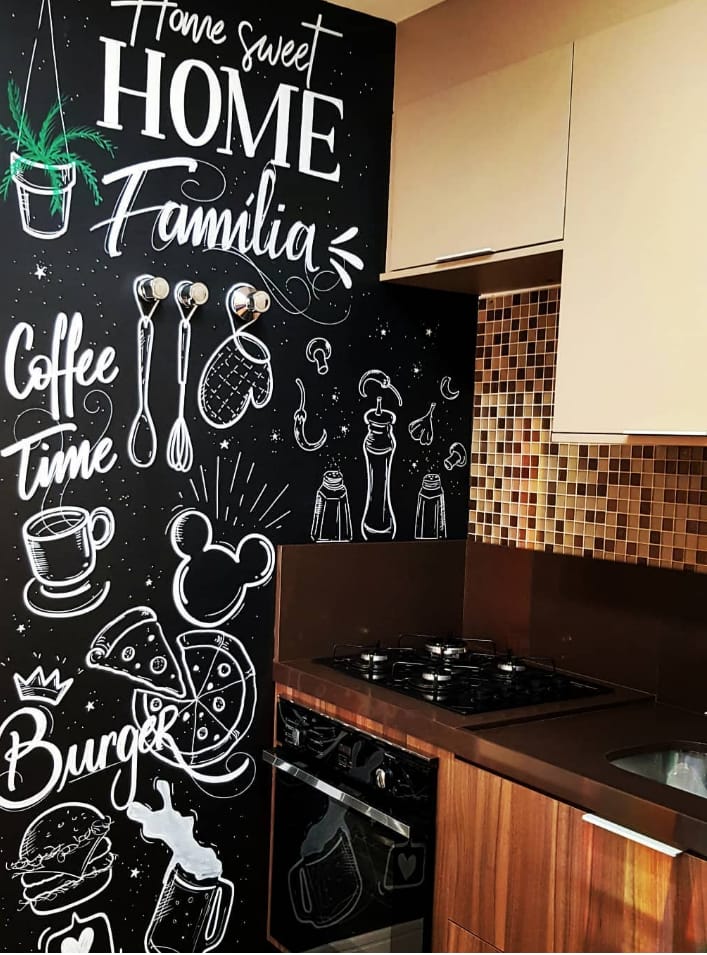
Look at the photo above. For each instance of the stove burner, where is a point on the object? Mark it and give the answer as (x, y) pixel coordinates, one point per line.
(446, 648)
(465, 675)
(374, 656)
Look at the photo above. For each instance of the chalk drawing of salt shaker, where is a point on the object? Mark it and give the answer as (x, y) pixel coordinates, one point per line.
(431, 516)
(332, 516)
(378, 522)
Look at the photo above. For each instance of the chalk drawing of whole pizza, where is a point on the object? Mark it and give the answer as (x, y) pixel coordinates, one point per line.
(219, 705)
(210, 680)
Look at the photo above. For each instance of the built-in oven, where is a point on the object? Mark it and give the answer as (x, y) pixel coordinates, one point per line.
(352, 857)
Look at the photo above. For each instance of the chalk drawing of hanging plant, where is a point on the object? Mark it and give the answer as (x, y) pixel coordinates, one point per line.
(43, 166)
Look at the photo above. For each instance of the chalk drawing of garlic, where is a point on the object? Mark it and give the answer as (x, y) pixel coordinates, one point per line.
(422, 429)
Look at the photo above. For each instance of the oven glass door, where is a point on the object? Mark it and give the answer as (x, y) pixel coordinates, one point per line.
(342, 881)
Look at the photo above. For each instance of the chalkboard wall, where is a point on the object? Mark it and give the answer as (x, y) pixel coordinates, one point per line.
(168, 176)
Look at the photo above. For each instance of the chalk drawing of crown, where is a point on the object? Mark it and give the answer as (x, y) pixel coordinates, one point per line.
(41, 688)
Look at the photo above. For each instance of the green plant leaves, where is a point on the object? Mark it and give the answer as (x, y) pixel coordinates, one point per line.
(49, 148)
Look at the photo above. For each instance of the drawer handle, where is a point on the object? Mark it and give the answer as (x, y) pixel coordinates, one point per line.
(474, 253)
(667, 434)
(632, 835)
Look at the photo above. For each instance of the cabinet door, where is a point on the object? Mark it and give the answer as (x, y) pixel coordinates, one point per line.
(691, 915)
(633, 317)
(617, 895)
(496, 859)
(481, 165)
(459, 940)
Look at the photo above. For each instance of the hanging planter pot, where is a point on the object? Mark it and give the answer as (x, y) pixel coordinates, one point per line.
(44, 195)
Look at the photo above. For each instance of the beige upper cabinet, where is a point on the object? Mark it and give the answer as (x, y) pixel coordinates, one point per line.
(481, 165)
(632, 349)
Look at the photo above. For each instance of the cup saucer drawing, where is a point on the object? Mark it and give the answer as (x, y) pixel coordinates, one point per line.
(60, 602)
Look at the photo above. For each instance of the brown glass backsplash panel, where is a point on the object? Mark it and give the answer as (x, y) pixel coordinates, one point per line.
(360, 593)
(641, 627)
(631, 504)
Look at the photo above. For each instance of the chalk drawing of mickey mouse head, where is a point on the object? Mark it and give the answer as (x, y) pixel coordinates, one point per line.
(212, 580)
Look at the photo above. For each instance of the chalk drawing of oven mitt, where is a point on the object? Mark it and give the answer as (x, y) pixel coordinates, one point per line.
(239, 372)
(212, 580)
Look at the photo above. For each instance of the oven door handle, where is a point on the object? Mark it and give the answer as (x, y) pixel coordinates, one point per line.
(346, 799)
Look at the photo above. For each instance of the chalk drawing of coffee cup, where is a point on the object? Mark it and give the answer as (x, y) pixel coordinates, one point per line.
(61, 545)
(191, 914)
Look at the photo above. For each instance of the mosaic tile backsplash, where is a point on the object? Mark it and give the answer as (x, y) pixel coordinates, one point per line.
(637, 504)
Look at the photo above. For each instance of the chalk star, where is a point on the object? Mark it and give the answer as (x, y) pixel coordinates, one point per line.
(384, 332)
(224, 445)
(90, 706)
(21, 628)
(149, 582)
(275, 436)
(41, 272)
(134, 873)
(428, 332)
(416, 369)
(335, 397)
(344, 429)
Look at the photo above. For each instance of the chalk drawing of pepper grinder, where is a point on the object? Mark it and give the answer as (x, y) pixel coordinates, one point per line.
(378, 521)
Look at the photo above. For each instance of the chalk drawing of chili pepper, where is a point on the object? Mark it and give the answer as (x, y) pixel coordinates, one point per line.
(300, 421)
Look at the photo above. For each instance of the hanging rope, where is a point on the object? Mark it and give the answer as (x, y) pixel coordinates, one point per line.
(46, 6)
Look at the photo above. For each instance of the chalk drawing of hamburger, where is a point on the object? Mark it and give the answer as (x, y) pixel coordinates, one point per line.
(65, 858)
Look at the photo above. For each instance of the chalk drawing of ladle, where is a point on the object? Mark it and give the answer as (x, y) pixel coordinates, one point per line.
(149, 291)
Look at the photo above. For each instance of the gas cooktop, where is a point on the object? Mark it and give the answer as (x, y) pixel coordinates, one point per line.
(464, 675)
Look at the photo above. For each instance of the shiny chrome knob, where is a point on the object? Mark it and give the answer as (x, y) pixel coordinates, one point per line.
(380, 777)
(193, 294)
(154, 289)
(247, 302)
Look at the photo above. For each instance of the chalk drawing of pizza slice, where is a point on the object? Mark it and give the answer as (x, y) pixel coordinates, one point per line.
(219, 705)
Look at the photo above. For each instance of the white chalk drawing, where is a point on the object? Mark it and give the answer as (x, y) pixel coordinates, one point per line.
(65, 858)
(25, 739)
(238, 374)
(331, 520)
(337, 255)
(212, 580)
(380, 378)
(195, 901)
(215, 715)
(446, 390)
(431, 513)
(40, 688)
(58, 371)
(300, 419)
(422, 429)
(325, 884)
(180, 454)
(457, 456)
(91, 934)
(134, 646)
(43, 167)
(405, 866)
(61, 545)
(378, 521)
(318, 351)
(142, 438)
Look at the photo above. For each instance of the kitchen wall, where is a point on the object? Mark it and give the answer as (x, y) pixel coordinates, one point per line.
(153, 456)
(639, 504)
(579, 552)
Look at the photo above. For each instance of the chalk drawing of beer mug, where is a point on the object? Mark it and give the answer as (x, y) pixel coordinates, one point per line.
(191, 914)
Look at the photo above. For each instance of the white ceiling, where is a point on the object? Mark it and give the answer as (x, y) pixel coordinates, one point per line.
(395, 10)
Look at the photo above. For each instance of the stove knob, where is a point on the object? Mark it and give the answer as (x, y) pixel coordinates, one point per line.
(381, 779)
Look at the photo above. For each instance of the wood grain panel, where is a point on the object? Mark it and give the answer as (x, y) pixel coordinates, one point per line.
(459, 940)
(616, 895)
(690, 933)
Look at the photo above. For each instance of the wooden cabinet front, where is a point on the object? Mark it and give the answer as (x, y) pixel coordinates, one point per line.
(633, 326)
(481, 165)
(523, 872)
(459, 940)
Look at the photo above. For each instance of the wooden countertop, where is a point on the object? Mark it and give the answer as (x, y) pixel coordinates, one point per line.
(563, 758)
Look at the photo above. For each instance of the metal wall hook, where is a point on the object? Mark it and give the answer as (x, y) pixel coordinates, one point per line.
(152, 288)
(247, 302)
(192, 294)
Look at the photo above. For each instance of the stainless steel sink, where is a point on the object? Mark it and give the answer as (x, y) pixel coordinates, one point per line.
(680, 765)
